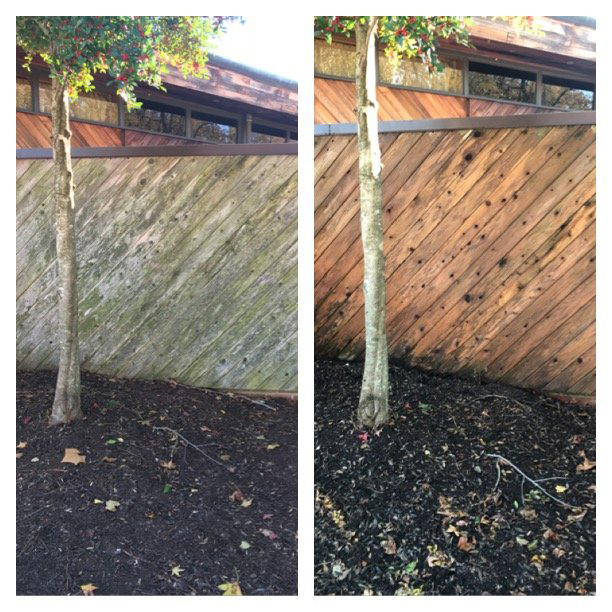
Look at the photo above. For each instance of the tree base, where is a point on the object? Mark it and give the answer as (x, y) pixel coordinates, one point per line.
(66, 411)
(373, 412)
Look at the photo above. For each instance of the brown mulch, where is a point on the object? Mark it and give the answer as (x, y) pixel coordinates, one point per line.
(186, 522)
(416, 508)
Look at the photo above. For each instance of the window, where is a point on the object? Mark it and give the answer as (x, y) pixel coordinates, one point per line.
(337, 59)
(213, 129)
(92, 106)
(567, 94)
(95, 106)
(157, 117)
(265, 134)
(504, 83)
(24, 94)
(414, 73)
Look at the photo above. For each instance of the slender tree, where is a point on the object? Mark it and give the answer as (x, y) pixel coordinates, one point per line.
(402, 37)
(130, 51)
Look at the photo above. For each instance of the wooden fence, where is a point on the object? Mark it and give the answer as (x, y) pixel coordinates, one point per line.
(187, 265)
(489, 245)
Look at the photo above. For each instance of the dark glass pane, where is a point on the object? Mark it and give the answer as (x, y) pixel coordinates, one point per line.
(24, 94)
(503, 83)
(567, 94)
(213, 129)
(156, 117)
(265, 134)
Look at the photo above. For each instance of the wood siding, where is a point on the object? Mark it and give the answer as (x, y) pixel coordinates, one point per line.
(335, 103)
(34, 132)
(490, 252)
(187, 268)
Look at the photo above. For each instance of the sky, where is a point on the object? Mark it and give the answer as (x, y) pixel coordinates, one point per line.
(252, 44)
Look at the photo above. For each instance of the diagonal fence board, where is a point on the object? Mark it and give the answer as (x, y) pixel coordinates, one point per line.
(489, 244)
(187, 268)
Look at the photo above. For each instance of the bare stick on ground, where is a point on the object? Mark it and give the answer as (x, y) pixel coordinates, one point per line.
(525, 477)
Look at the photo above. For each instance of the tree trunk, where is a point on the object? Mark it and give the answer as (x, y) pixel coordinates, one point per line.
(374, 399)
(67, 402)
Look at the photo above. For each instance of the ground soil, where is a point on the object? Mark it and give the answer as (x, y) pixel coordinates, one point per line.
(228, 517)
(415, 508)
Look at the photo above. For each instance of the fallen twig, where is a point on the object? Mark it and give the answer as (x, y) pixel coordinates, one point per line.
(510, 399)
(186, 441)
(258, 402)
(525, 477)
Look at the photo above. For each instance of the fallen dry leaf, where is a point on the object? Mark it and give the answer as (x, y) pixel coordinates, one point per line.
(528, 513)
(549, 534)
(19, 455)
(109, 459)
(88, 589)
(464, 544)
(389, 546)
(73, 455)
(586, 465)
(246, 503)
(22, 445)
(177, 570)
(112, 505)
(230, 588)
(237, 496)
(452, 529)
(168, 465)
(437, 558)
(269, 534)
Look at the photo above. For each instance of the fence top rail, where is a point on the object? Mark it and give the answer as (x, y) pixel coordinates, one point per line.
(204, 150)
(467, 123)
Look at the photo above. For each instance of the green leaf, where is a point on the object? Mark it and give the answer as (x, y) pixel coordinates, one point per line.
(167, 488)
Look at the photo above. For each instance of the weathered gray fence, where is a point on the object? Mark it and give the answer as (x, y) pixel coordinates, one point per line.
(187, 268)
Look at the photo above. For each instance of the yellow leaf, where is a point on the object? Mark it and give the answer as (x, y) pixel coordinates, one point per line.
(230, 588)
(177, 570)
(73, 455)
(88, 589)
(272, 446)
(246, 503)
(560, 489)
(112, 506)
(98, 501)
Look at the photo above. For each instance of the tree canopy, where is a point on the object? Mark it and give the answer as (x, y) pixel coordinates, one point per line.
(403, 36)
(130, 50)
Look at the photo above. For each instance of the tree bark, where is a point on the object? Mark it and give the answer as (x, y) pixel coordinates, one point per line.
(67, 401)
(373, 407)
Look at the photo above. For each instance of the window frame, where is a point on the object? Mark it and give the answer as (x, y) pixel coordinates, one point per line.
(466, 58)
(241, 118)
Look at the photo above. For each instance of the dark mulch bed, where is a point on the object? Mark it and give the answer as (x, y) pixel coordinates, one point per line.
(219, 524)
(414, 509)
